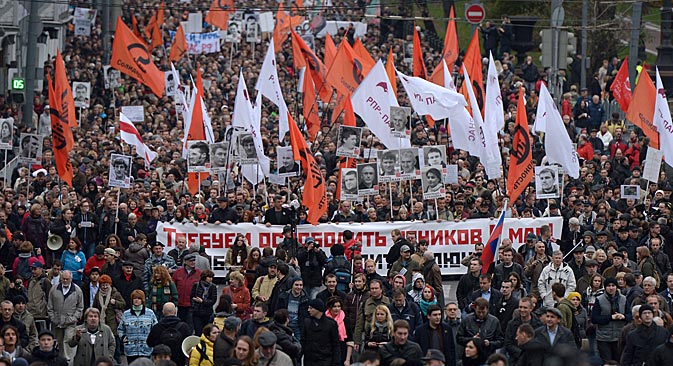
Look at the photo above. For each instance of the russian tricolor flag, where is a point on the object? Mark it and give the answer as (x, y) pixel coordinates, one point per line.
(491, 249)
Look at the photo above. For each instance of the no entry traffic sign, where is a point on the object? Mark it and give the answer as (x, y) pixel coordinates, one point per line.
(474, 13)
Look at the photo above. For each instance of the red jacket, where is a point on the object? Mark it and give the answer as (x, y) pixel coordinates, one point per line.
(93, 262)
(241, 297)
(586, 151)
(184, 282)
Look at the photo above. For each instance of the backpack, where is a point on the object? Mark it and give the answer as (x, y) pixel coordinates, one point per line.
(341, 269)
(172, 338)
(23, 268)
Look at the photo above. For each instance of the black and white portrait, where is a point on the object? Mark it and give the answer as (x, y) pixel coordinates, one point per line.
(432, 182)
(434, 156)
(368, 183)
(251, 27)
(171, 83)
(409, 165)
(120, 171)
(630, 192)
(233, 32)
(349, 184)
(349, 141)
(111, 77)
(400, 121)
(246, 153)
(309, 39)
(198, 156)
(6, 132)
(82, 91)
(389, 165)
(218, 157)
(31, 148)
(546, 182)
(287, 166)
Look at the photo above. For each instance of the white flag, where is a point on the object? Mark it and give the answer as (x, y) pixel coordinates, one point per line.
(244, 117)
(183, 107)
(557, 143)
(477, 124)
(494, 120)
(662, 121)
(269, 85)
(448, 80)
(430, 99)
(463, 132)
(130, 135)
(372, 101)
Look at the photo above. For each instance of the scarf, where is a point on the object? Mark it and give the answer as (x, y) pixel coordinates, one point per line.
(137, 309)
(425, 304)
(104, 302)
(340, 323)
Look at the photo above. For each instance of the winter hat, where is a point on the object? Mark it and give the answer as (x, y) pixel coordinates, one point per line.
(403, 279)
(644, 308)
(610, 280)
(318, 305)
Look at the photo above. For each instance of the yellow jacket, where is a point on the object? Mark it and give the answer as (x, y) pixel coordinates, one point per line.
(201, 357)
(263, 287)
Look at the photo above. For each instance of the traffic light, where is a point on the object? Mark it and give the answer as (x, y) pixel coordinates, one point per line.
(567, 46)
(18, 89)
(546, 47)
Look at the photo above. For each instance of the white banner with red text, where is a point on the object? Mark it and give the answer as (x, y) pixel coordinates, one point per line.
(449, 241)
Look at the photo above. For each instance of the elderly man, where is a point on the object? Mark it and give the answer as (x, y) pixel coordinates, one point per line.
(267, 353)
(65, 308)
(93, 339)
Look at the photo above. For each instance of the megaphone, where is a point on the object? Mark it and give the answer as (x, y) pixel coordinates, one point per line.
(189, 343)
(54, 242)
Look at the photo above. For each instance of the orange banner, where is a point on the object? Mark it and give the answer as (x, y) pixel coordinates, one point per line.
(310, 104)
(131, 56)
(472, 63)
(641, 108)
(418, 61)
(621, 86)
(390, 70)
(62, 118)
(218, 14)
(330, 51)
(179, 46)
(314, 67)
(521, 169)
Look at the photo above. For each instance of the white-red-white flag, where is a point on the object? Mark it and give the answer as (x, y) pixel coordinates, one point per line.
(662, 121)
(131, 136)
(428, 98)
(372, 101)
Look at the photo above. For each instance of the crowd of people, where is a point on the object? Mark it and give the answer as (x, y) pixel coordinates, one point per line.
(113, 293)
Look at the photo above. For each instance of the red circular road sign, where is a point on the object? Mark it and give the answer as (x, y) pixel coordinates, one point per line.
(475, 13)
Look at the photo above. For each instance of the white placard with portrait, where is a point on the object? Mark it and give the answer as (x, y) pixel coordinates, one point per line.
(120, 171)
(546, 182)
(82, 92)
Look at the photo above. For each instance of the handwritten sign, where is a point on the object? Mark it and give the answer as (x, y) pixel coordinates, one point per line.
(198, 43)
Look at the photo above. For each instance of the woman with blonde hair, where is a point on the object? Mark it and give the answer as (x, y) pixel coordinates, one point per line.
(134, 327)
(162, 291)
(380, 330)
(239, 295)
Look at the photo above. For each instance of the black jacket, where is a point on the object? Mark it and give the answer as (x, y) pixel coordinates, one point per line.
(394, 252)
(423, 336)
(564, 339)
(312, 264)
(222, 348)
(494, 301)
(283, 218)
(158, 329)
(286, 341)
(662, 355)
(641, 342)
(320, 342)
(51, 358)
(408, 351)
(467, 284)
(223, 215)
(510, 336)
(532, 354)
(284, 298)
(126, 287)
(278, 288)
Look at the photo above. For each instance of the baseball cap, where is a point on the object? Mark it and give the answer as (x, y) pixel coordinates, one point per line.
(434, 355)
(404, 248)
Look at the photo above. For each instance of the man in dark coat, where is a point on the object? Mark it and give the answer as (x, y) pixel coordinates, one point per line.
(320, 340)
(223, 213)
(170, 331)
(47, 353)
(394, 252)
(127, 282)
(563, 337)
(226, 341)
(531, 350)
(644, 339)
(400, 346)
(437, 335)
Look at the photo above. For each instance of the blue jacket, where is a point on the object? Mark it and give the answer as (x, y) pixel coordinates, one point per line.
(410, 312)
(596, 115)
(74, 263)
(133, 331)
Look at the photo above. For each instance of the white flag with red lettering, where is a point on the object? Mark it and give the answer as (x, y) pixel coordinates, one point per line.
(448, 80)
(372, 101)
(478, 145)
(130, 135)
(269, 85)
(662, 121)
(244, 117)
(428, 98)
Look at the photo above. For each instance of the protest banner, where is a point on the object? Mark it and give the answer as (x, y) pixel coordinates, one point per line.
(449, 241)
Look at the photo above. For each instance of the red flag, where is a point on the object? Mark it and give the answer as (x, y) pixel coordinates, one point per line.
(131, 56)
(153, 29)
(450, 52)
(472, 62)
(314, 66)
(62, 118)
(641, 108)
(218, 14)
(390, 70)
(314, 183)
(621, 87)
(310, 105)
(521, 169)
(418, 62)
(179, 46)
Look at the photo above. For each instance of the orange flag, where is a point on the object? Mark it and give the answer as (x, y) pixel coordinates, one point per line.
(621, 87)
(310, 105)
(284, 24)
(62, 118)
(641, 109)
(472, 62)
(390, 70)
(314, 183)
(131, 56)
(330, 51)
(218, 14)
(521, 169)
(418, 62)
(450, 52)
(179, 46)
(345, 75)
(153, 29)
(197, 132)
(134, 25)
(315, 67)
